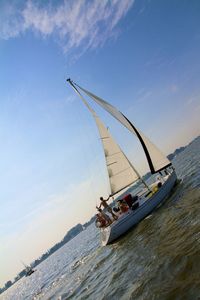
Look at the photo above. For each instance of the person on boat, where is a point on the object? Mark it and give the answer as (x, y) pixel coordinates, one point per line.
(103, 218)
(128, 199)
(100, 222)
(123, 205)
(107, 207)
(159, 178)
(166, 172)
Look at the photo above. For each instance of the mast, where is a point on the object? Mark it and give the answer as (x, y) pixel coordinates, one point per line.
(27, 267)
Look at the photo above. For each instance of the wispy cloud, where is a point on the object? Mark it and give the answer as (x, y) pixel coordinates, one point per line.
(174, 88)
(193, 100)
(143, 96)
(73, 23)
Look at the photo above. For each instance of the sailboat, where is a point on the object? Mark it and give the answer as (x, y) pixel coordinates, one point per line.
(28, 269)
(122, 174)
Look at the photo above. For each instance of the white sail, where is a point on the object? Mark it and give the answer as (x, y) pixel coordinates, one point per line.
(156, 159)
(121, 172)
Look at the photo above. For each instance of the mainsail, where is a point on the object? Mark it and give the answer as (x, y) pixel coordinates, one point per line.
(120, 171)
(156, 159)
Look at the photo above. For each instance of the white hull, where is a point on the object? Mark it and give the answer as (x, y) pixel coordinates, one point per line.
(132, 217)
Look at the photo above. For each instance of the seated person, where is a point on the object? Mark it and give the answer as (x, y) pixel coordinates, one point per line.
(100, 222)
(103, 218)
(135, 206)
(159, 184)
(123, 205)
(117, 211)
(128, 199)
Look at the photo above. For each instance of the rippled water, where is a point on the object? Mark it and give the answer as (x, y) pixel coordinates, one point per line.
(158, 259)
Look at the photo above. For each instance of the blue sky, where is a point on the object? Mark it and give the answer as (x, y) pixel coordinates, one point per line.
(141, 56)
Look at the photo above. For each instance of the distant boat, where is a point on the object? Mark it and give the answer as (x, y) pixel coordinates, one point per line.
(28, 269)
(122, 174)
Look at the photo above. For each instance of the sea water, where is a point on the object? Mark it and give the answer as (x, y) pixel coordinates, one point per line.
(157, 259)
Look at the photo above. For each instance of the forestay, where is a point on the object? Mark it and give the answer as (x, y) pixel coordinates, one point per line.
(156, 159)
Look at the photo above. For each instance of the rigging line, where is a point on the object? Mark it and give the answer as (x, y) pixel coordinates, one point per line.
(85, 163)
(139, 176)
(84, 101)
(111, 195)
